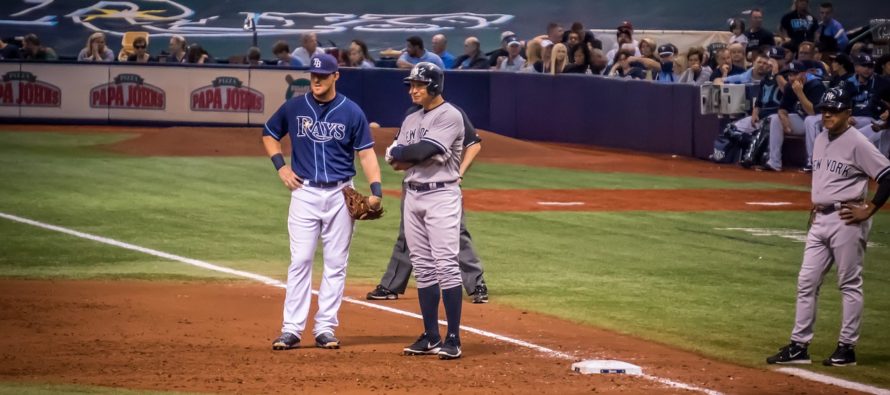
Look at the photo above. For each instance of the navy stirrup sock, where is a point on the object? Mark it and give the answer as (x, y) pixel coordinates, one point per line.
(453, 300)
(429, 308)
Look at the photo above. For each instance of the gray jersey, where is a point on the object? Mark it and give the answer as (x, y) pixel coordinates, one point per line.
(842, 167)
(442, 126)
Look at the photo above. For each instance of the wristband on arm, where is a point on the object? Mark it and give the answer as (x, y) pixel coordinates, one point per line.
(278, 161)
(376, 189)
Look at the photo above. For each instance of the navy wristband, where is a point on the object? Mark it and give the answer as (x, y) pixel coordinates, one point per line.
(278, 161)
(376, 189)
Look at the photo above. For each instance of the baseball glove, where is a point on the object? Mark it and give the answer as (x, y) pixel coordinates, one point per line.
(358, 205)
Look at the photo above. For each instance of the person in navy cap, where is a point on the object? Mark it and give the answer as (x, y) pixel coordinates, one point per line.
(867, 106)
(326, 131)
(666, 53)
(797, 109)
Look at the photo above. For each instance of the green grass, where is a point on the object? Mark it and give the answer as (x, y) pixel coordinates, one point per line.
(49, 389)
(669, 277)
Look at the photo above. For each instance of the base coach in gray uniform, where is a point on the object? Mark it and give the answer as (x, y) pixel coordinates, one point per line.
(395, 279)
(843, 162)
(429, 149)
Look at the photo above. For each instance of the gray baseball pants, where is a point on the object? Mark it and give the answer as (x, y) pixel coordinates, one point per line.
(432, 232)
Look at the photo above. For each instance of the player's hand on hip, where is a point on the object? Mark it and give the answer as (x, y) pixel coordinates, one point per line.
(375, 202)
(855, 213)
(291, 181)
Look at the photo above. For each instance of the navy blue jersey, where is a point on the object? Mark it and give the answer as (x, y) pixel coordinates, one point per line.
(813, 89)
(865, 101)
(769, 98)
(324, 136)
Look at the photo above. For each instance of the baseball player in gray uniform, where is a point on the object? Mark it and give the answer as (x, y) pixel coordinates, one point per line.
(395, 279)
(429, 148)
(843, 162)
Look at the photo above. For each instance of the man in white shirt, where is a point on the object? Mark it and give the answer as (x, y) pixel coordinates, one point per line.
(512, 62)
(309, 48)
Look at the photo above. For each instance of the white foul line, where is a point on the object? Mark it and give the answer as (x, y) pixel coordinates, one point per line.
(561, 203)
(769, 203)
(276, 283)
(806, 374)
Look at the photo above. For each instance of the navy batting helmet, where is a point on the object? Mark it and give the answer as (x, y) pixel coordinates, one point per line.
(839, 98)
(430, 74)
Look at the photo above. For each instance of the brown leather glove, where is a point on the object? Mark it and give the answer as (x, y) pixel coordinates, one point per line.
(359, 207)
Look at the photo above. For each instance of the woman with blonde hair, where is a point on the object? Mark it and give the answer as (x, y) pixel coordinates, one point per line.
(96, 51)
(533, 55)
(558, 58)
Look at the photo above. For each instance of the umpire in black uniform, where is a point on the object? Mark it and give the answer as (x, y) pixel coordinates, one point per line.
(395, 280)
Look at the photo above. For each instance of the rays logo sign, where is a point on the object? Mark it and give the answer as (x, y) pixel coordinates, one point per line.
(22, 88)
(227, 94)
(128, 91)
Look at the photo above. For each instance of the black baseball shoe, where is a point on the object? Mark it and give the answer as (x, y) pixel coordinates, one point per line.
(843, 356)
(286, 341)
(794, 353)
(451, 348)
(426, 344)
(480, 295)
(381, 293)
(808, 168)
(327, 340)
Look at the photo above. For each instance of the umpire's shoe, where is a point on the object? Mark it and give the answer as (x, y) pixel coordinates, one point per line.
(426, 344)
(381, 293)
(480, 295)
(286, 341)
(794, 353)
(327, 340)
(451, 348)
(843, 356)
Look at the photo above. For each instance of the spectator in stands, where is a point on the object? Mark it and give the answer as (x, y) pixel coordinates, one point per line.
(584, 36)
(737, 28)
(440, 47)
(623, 68)
(841, 70)
(806, 51)
(647, 49)
(543, 66)
(32, 50)
(533, 55)
(867, 107)
(755, 74)
(178, 48)
(285, 59)
(799, 101)
(697, 72)
(95, 50)
(777, 64)
(768, 99)
(554, 32)
(472, 59)
(579, 56)
(648, 58)
(857, 48)
(512, 62)
(623, 35)
(559, 59)
(572, 39)
(798, 25)
(308, 49)
(9, 51)
(758, 37)
(493, 56)
(667, 74)
(254, 57)
(830, 27)
(737, 56)
(197, 55)
(882, 65)
(140, 51)
(598, 62)
(414, 54)
(359, 55)
(724, 67)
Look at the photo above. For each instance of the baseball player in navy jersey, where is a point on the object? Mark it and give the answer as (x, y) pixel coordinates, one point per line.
(395, 279)
(429, 148)
(326, 130)
(843, 162)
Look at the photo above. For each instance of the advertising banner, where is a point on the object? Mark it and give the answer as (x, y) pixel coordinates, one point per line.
(53, 91)
(139, 93)
(218, 95)
(278, 86)
(9, 88)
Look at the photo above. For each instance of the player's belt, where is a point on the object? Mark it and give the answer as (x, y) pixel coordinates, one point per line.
(427, 186)
(323, 184)
(828, 209)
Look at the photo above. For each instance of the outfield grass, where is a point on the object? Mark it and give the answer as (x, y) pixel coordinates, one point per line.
(670, 277)
(51, 389)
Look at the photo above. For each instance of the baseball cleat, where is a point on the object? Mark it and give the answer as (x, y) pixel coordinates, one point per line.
(425, 345)
(480, 295)
(286, 341)
(794, 353)
(451, 348)
(327, 340)
(843, 356)
(381, 293)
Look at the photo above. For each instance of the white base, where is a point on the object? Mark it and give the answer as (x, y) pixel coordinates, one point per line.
(605, 366)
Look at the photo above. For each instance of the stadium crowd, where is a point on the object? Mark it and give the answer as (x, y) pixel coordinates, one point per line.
(811, 51)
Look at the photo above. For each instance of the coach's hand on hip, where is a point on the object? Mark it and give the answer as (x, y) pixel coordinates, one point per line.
(290, 179)
(856, 213)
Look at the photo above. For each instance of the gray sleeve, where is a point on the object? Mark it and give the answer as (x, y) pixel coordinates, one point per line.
(870, 160)
(445, 130)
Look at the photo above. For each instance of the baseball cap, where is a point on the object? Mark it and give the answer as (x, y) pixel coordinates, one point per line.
(864, 59)
(323, 64)
(777, 53)
(626, 25)
(509, 39)
(513, 40)
(506, 34)
(796, 67)
(666, 50)
(844, 60)
(546, 43)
